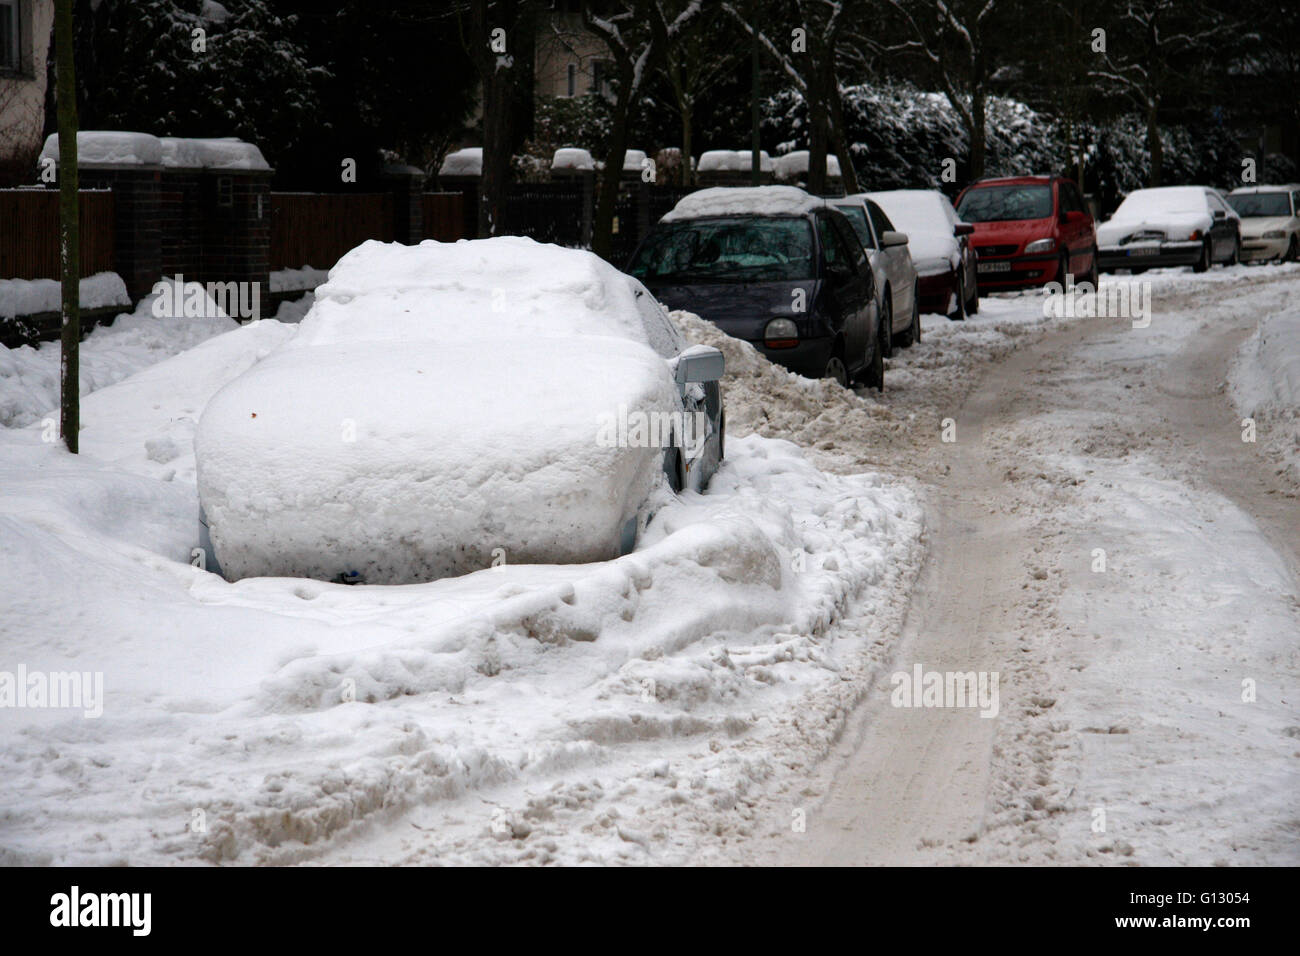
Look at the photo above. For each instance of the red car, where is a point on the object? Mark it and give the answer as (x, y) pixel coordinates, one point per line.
(1029, 231)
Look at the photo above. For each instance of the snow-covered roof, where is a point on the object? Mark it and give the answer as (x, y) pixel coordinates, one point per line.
(109, 148)
(463, 162)
(225, 152)
(744, 200)
(794, 165)
(733, 160)
(632, 160)
(119, 148)
(571, 157)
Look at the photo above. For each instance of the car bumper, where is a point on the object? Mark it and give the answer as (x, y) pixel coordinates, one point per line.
(1257, 248)
(1018, 272)
(1150, 256)
(937, 293)
(808, 358)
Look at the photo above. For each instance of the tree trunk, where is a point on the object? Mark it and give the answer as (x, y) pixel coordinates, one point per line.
(602, 239)
(498, 115)
(1154, 146)
(817, 131)
(69, 230)
(978, 133)
(840, 137)
(687, 174)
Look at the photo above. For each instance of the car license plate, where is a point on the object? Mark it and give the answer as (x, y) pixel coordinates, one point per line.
(1145, 251)
(993, 267)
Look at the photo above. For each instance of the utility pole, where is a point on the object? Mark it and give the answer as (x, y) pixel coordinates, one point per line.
(69, 228)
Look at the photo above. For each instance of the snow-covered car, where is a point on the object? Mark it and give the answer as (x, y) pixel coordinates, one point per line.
(939, 243)
(1270, 221)
(1170, 226)
(891, 262)
(776, 267)
(447, 406)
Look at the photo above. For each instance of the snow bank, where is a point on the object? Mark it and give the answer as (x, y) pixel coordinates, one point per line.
(1265, 385)
(440, 403)
(29, 377)
(30, 296)
(744, 200)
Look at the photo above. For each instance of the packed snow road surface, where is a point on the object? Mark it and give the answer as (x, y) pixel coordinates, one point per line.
(1104, 539)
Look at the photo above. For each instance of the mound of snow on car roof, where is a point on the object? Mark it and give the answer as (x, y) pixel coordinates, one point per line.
(441, 407)
(744, 201)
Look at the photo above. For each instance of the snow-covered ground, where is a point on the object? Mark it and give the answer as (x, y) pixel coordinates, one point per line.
(673, 705)
(286, 715)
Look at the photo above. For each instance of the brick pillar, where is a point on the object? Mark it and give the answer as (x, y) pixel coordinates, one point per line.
(406, 184)
(236, 210)
(137, 255)
(180, 205)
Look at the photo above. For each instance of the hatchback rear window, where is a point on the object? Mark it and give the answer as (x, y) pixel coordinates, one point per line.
(1005, 203)
(732, 249)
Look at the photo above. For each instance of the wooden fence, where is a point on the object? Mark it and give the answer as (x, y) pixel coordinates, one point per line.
(444, 216)
(315, 229)
(29, 233)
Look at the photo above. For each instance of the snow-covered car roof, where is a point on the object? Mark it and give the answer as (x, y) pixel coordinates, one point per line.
(505, 287)
(1283, 188)
(1163, 199)
(916, 210)
(744, 201)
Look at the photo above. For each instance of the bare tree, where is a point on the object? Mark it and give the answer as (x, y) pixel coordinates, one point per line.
(692, 65)
(953, 36)
(807, 45)
(498, 40)
(635, 32)
(1141, 48)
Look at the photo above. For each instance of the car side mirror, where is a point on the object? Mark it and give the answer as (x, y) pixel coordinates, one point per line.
(962, 229)
(890, 238)
(699, 363)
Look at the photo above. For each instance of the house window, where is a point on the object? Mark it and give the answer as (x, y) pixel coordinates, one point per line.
(10, 36)
(573, 79)
(600, 76)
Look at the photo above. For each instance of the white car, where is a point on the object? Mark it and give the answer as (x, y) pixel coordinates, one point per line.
(939, 244)
(1170, 226)
(1270, 221)
(891, 262)
(446, 405)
